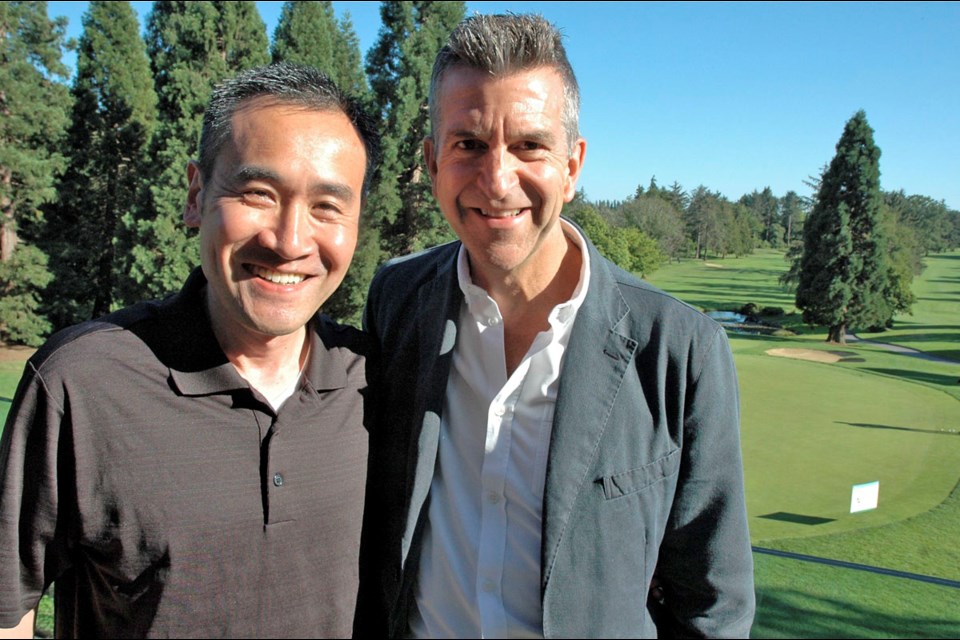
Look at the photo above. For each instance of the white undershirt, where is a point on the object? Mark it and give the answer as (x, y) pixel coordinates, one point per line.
(480, 564)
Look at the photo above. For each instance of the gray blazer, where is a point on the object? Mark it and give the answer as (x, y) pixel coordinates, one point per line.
(644, 471)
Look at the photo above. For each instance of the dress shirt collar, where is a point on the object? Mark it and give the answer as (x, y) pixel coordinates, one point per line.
(483, 308)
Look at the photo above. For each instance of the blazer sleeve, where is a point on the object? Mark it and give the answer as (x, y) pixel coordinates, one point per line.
(706, 564)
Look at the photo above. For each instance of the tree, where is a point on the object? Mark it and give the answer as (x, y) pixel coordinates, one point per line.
(793, 212)
(658, 218)
(844, 273)
(308, 33)
(629, 248)
(766, 208)
(113, 112)
(34, 112)
(400, 215)
(191, 46)
(399, 67)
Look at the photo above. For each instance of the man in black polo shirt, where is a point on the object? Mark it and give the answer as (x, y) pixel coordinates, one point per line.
(196, 466)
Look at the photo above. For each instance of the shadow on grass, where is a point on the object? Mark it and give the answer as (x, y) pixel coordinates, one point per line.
(789, 613)
(867, 425)
(918, 376)
(796, 518)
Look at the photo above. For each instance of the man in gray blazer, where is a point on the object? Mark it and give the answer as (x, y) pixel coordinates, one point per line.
(554, 438)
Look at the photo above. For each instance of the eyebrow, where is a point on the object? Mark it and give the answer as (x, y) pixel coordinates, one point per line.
(336, 189)
(542, 137)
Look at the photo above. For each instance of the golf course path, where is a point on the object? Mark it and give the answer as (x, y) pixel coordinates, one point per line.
(896, 348)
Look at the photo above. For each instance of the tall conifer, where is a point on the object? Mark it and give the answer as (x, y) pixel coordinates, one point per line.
(34, 113)
(843, 280)
(113, 112)
(399, 68)
(309, 33)
(192, 46)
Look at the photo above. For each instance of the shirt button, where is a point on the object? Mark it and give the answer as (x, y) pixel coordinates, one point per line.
(488, 586)
(278, 480)
(493, 498)
(493, 321)
(499, 410)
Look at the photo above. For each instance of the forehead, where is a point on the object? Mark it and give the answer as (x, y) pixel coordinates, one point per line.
(291, 135)
(469, 95)
(262, 117)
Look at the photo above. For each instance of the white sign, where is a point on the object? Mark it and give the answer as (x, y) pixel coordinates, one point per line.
(864, 496)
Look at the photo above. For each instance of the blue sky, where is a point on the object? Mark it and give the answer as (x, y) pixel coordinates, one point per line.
(741, 96)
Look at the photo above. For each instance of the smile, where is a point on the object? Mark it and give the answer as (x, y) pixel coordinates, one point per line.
(277, 277)
(506, 213)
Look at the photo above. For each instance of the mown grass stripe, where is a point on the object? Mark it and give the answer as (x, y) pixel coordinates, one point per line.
(860, 567)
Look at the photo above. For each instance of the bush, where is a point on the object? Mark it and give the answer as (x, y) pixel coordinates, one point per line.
(750, 309)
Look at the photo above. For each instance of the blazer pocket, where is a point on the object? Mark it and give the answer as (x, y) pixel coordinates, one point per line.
(622, 484)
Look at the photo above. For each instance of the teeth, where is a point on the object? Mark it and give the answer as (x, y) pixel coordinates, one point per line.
(277, 277)
(500, 214)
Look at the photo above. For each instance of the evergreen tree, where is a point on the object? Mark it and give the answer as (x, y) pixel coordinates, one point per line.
(844, 273)
(191, 46)
(34, 112)
(766, 208)
(400, 215)
(399, 68)
(309, 33)
(113, 111)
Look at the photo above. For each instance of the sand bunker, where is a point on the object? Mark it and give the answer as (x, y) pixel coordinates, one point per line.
(713, 265)
(809, 354)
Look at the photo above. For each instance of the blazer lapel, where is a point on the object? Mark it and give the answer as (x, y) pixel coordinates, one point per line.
(439, 303)
(597, 358)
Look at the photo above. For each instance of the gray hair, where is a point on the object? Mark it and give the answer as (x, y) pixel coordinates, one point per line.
(286, 83)
(504, 44)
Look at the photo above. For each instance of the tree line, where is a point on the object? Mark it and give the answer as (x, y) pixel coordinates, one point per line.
(92, 170)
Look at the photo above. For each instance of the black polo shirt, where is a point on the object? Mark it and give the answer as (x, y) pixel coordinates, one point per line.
(166, 498)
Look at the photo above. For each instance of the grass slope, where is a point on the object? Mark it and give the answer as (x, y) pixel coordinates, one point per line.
(811, 430)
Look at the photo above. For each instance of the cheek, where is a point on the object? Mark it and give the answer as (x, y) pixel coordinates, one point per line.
(340, 243)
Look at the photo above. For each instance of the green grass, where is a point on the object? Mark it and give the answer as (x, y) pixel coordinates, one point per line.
(811, 430)
(797, 599)
(10, 373)
(934, 326)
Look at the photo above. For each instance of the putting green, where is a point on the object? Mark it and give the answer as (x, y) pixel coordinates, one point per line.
(811, 430)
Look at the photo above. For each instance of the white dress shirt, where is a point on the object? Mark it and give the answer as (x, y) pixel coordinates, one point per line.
(479, 571)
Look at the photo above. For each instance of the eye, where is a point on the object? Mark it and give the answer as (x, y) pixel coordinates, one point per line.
(469, 145)
(529, 145)
(327, 211)
(256, 196)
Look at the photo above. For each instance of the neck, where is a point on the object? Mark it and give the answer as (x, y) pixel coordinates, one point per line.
(526, 297)
(532, 290)
(270, 364)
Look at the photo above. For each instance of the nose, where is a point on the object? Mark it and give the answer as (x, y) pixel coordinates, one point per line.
(289, 235)
(498, 174)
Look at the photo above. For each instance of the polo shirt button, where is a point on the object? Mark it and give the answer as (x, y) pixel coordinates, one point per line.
(278, 480)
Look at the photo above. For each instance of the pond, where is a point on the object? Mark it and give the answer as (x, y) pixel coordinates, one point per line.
(727, 317)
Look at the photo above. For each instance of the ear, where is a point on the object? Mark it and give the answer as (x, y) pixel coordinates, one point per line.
(574, 166)
(430, 159)
(192, 208)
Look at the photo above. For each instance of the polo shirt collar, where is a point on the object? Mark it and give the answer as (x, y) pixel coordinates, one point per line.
(198, 365)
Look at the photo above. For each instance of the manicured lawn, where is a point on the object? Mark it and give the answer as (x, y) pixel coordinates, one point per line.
(805, 600)
(10, 373)
(811, 430)
(934, 326)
